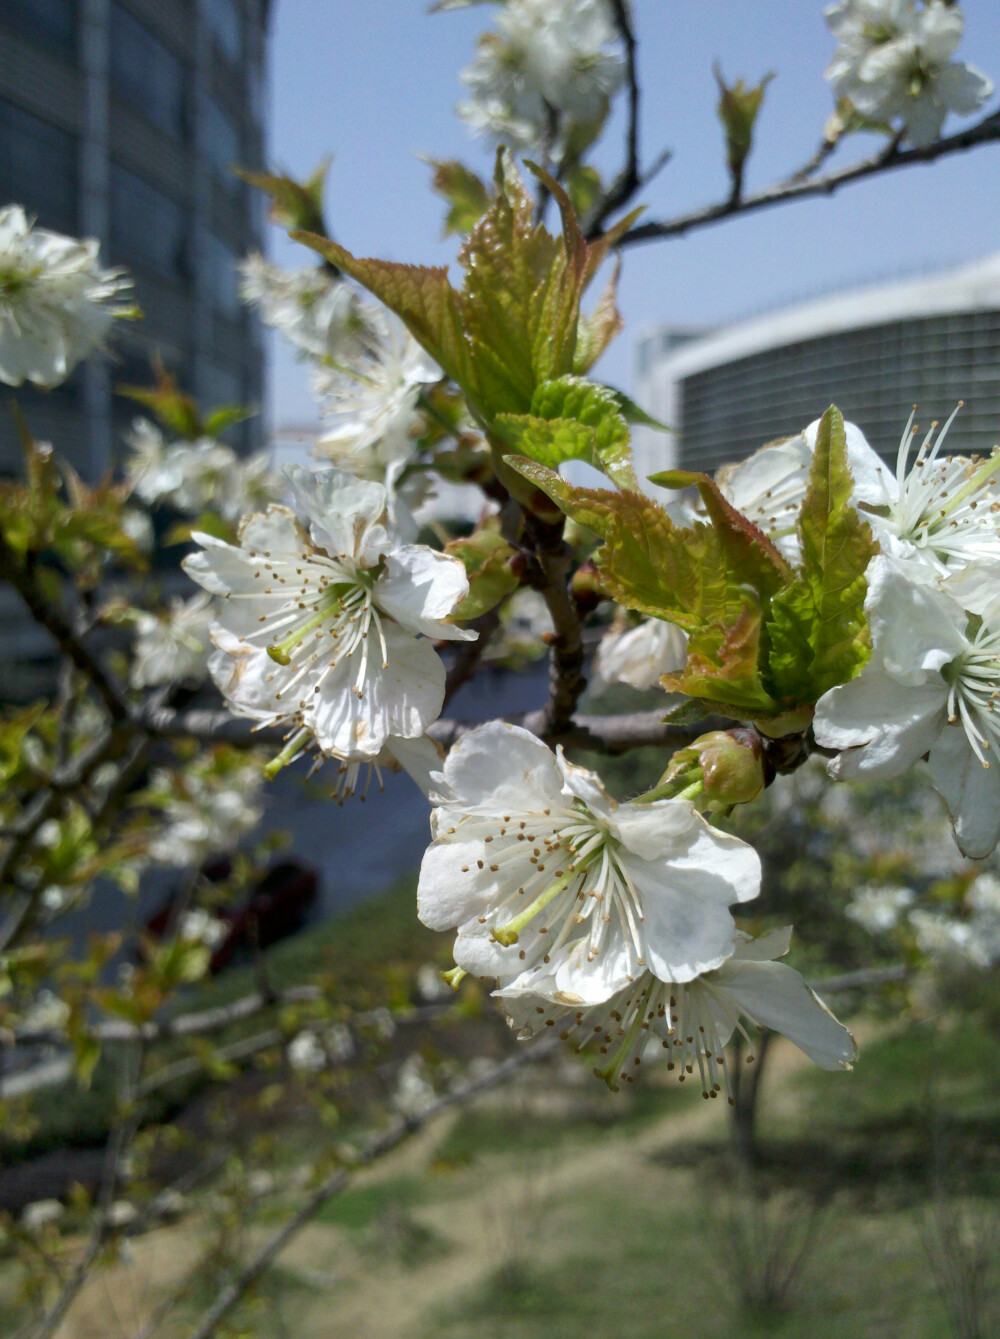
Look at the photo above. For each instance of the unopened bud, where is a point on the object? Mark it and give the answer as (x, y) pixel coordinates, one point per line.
(729, 763)
(586, 587)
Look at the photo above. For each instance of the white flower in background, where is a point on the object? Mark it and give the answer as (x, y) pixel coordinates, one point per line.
(325, 621)
(431, 985)
(548, 57)
(414, 1094)
(204, 811)
(693, 1020)
(56, 303)
(953, 942)
(47, 1013)
(553, 886)
(525, 628)
(201, 927)
(250, 483)
(370, 407)
(983, 895)
(173, 645)
(640, 656)
(937, 516)
(197, 476)
(894, 63)
(152, 467)
(877, 907)
(319, 313)
(307, 1054)
(929, 687)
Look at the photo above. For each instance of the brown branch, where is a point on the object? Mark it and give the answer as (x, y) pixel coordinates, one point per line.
(22, 577)
(566, 658)
(986, 131)
(398, 1131)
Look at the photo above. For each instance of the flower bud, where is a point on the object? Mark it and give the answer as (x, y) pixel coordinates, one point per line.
(728, 763)
(586, 587)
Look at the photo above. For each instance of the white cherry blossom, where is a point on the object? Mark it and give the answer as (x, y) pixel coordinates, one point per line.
(370, 407)
(319, 313)
(174, 645)
(206, 811)
(878, 907)
(930, 687)
(197, 476)
(693, 1020)
(325, 620)
(553, 886)
(640, 656)
(548, 57)
(894, 63)
(56, 302)
(936, 515)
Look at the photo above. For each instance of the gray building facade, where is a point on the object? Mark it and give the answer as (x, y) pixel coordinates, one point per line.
(875, 352)
(122, 120)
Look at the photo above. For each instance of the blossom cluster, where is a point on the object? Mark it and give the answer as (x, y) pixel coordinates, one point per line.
(894, 63)
(607, 921)
(549, 69)
(197, 476)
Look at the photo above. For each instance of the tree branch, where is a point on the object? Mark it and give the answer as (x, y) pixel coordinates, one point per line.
(398, 1131)
(986, 131)
(21, 577)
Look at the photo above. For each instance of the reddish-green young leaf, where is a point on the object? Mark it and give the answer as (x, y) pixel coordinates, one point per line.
(294, 204)
(752, 555)
(486, 556)
(465, 192)
(513, 325)
(596, 330)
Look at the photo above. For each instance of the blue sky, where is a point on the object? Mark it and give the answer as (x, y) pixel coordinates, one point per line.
(375, 85)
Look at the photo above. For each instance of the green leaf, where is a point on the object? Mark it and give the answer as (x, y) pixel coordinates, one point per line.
(294, 204)
(486, 556)
(573, 419)
(817, 630)
(712, 582)
(750, 554)
(225, 416)
(514, 323)
(174, 408)
(737, 109)
(596, 330)
(584, 188)
(465, 192)
(633, 413)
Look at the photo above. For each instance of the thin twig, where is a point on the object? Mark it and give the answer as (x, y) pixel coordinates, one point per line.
(397, 1132)
(986, 131)
(628, 180)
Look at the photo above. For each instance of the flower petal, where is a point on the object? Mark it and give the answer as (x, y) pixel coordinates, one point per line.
(777, 997)
(420, 588)
(970, 790)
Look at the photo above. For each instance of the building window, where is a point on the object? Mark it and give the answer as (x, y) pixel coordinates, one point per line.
(38, 168)
(50, 23)
(145, 74)
(222, 279)
(148, 228)
(222, 146)
(226, 22)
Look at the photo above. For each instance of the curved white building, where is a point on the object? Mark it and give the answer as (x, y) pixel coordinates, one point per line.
(875, 352)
